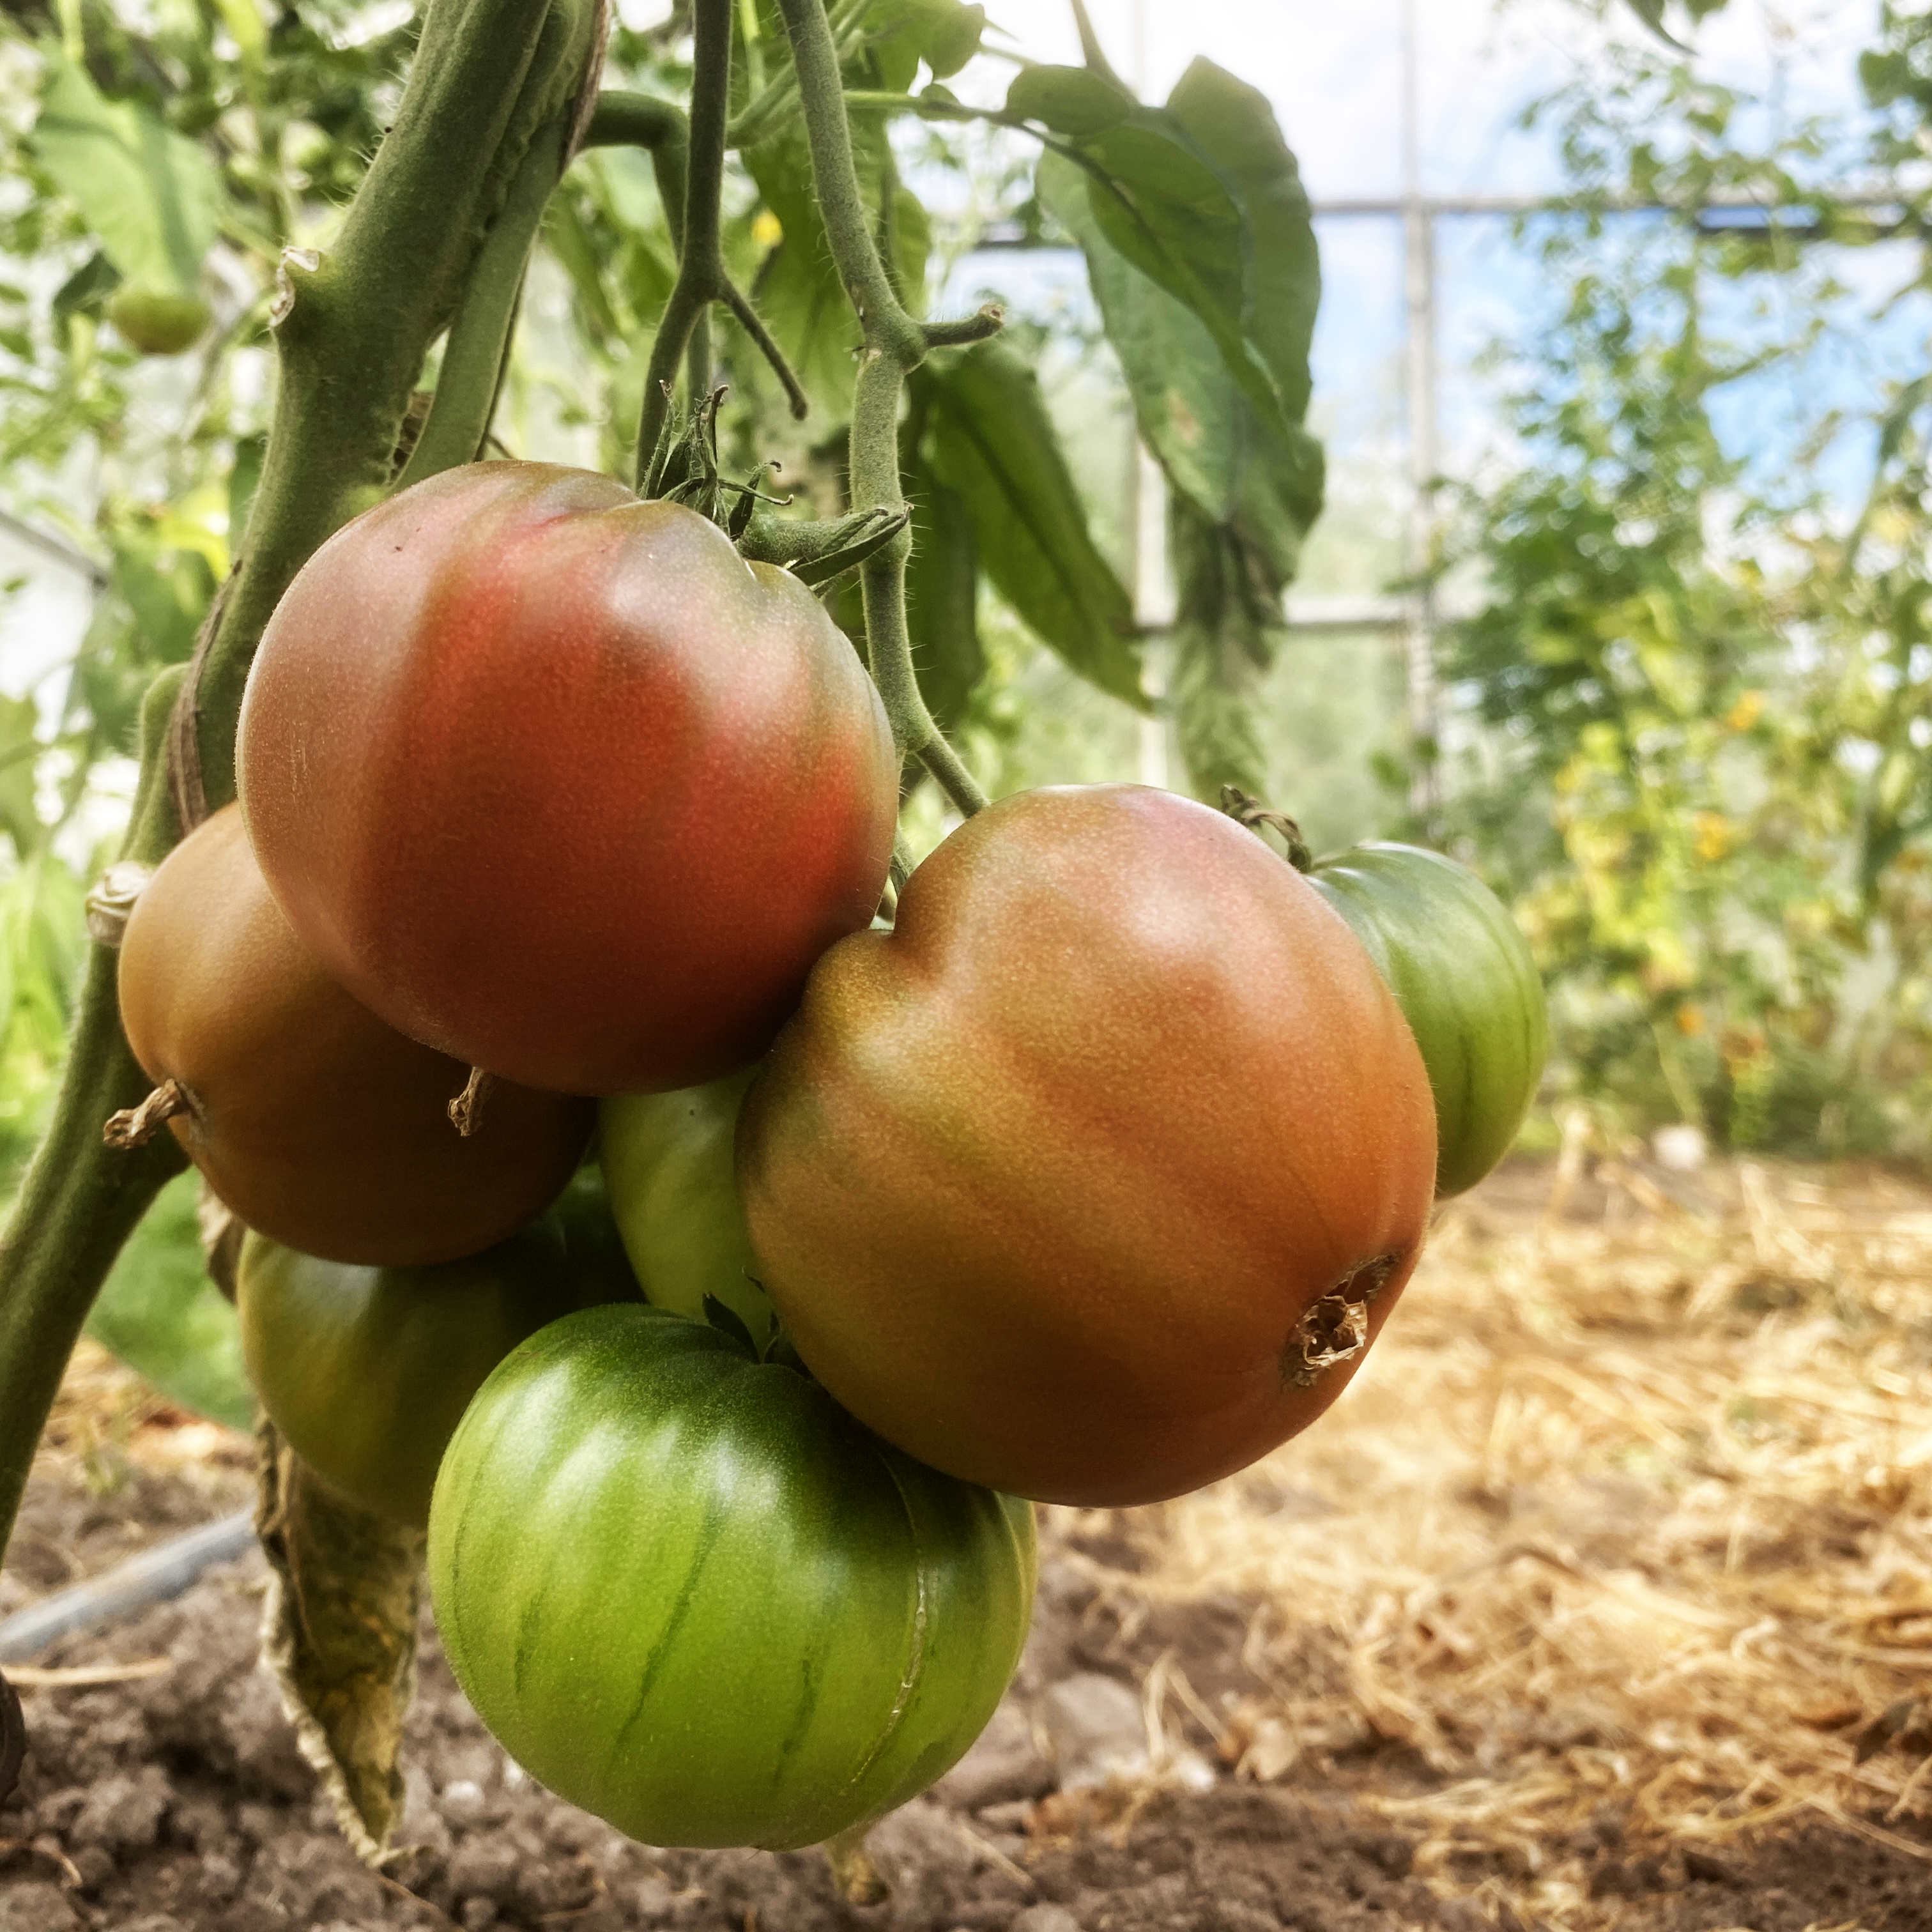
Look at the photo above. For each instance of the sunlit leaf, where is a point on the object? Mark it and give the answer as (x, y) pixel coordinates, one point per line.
(1164, 206)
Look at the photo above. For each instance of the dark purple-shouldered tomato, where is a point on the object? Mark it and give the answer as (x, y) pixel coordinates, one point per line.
(688, 1592)
(555, 781)
(1093, 1180)
(1463, 973)
(314, 1121)
(366, 1371)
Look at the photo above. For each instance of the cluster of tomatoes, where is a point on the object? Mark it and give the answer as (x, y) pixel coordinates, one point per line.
(1088, 1176)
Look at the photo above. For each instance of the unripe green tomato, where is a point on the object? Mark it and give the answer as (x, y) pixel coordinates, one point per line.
(158, 321)
(667, 1162)
(689, 1593)
(366, 1371)
(592, 1247)
(1462, 973)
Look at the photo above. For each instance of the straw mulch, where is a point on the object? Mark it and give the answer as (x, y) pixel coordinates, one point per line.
(1629, 1517)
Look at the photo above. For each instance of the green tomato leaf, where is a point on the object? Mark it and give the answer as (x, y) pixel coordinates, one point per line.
(1650, 13)
(20, 748)
(244, 478)
(1228, 627)
(1260, 479)
(942, 594)
(160, 1314)
(569, 240)
(943, 33)
(1233, 124)
(993, 444)
(153, 197)
(1164, 206)
(1072, 100)
(87, 288)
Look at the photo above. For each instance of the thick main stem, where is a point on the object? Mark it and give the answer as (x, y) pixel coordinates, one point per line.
(80, 1200)
(894, 344)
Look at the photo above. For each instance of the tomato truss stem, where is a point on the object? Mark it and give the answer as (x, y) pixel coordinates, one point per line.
(895, 343)
(684, 328)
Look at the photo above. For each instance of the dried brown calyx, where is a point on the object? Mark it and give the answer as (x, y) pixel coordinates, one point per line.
(1335, 1329)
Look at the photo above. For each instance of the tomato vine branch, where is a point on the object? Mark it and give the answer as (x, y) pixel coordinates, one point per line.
(701, 276)
(895, 345)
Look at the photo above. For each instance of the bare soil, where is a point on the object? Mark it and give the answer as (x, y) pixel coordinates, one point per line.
(1305, 1700)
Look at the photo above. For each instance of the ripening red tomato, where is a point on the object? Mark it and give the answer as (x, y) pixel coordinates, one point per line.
(318, 1125)
(554, 780)
(1092, 1180)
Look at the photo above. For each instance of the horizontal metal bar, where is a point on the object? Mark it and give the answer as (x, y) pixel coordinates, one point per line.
(1388, 206)
(59, 548)
(151, 1577)
(1446, 207)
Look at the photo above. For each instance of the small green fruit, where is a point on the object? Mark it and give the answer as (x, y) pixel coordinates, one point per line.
(157, 322)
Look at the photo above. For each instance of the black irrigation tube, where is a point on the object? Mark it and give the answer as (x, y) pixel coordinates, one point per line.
(151, 1577)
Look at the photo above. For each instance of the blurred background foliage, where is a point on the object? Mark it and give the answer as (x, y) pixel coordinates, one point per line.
(1694, 704)
(1689, 685)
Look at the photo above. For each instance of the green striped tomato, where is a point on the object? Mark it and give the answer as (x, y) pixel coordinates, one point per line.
(366, 1371)
(689, 1593)
(667, 1163)
(1462, 973)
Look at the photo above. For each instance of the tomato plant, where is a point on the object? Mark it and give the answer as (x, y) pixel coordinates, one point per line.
(646, 783)
(366, 1371)
(312, 1120)
(688, 1593)
(1463, 973)
(667, 1162)
(1093, 1179)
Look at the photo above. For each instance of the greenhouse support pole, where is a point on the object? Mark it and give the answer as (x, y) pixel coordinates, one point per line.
(1420, 388)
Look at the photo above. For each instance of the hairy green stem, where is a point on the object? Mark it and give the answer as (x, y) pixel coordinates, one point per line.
(352, 326)
(894, 344)
(479, 346)
(79, 1201)
(684, 329)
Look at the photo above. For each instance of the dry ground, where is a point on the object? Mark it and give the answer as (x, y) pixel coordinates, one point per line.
(1604, 1599)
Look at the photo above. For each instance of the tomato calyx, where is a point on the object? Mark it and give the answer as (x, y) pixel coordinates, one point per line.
(1335, 1329)
(1254, 814)
(776, 1352)
(815, 551)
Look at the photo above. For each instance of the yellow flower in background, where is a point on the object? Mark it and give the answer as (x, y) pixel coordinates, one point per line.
(767, 231)
(1715, 836)
(1747, 710)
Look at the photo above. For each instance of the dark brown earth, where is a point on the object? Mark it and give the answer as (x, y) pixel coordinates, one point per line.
(177, 1802)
